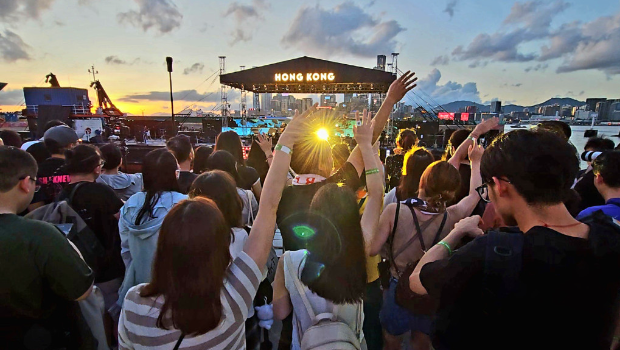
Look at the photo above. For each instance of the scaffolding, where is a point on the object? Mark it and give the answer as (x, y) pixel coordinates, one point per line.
(224, 94)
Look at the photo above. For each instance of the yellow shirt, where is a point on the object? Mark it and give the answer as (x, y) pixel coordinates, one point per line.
(372, 262)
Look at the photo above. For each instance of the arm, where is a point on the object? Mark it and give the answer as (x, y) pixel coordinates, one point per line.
(257, 189)
(467, 204)
(374, 183)
(399, 88)
(375, 149)
(261, 237)
(481, 129)
(282, 306)
(386, 223)
(465, 227)
(264, 141)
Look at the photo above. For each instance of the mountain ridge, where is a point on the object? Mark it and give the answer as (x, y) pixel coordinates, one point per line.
(456, 106)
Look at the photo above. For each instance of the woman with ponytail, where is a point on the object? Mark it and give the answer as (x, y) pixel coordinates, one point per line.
(397, 226)
(407, 139)
(143, 214)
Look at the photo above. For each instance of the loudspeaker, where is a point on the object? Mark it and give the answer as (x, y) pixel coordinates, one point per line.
(169, 64)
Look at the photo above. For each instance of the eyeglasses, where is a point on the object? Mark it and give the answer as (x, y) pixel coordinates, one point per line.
(483, 191)
(33, 179)
(102, 163)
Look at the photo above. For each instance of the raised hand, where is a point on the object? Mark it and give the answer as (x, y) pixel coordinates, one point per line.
(362, 130)
(475, 153)
(469, 226)
(298, 125)
(485, 127)
(264, 141)
(401, 86)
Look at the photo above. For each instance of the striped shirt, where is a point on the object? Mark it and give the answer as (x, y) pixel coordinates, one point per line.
(137, 328)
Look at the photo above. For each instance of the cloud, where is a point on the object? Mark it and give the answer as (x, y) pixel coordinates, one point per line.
(13, 48)
(243, 15)
(13, 10)
(526, 22)
(161, 15)
(184, 95)
(114, 60)
(11, 97)
(344, 30)
(195, 68)
(538, 67)
(450, 91)
(598, 47)
(441, 61)
(593, 45)
(450, 6)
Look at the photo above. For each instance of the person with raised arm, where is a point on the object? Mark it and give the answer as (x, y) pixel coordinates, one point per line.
(331, 267)
(198, 296)
(549, 283)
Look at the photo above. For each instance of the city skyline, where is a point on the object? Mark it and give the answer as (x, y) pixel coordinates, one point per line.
(521, 52)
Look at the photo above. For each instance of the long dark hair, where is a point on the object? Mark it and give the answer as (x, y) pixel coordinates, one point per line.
(416, 161)
(189, 267)
(258, 161)
(219, 186)
(231, 142)
(201, 155)
(159, 175)
(223, 160)
(338, 247)
(457, 137)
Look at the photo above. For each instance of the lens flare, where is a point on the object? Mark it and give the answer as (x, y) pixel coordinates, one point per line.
(303, 231)
(323, 134)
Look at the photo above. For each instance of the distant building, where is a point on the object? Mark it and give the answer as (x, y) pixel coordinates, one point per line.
(602, 108)
(592, 102)
(496, 107)
(328, 101)
(266, 103)
(348, 98)
(471, 109)
(306, 103)
(614, 111)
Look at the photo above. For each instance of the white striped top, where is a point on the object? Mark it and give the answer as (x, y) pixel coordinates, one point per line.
(137, 328)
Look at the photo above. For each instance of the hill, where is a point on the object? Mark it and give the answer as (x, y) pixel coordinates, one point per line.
(457, 106)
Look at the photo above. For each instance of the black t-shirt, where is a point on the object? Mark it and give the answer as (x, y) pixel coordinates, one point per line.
(465, 172)
(97, 204)
(39, 270)
(297, 199)
(567, 294)
(53, 178)
(590, 197)
(247, 176)
(186, 178)
(394, 169)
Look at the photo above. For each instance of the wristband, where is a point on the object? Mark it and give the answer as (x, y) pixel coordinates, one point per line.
(372, 171)
(472, 138)
(283, 148)
(447, 246)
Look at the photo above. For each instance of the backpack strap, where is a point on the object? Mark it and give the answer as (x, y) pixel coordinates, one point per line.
(299, 287)
(391, 239)
(176, 346)
(502, 268)
(443, 223)
(69, 199)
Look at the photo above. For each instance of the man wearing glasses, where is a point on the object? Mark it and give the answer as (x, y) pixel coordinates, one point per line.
(550, 284)
(40, 272)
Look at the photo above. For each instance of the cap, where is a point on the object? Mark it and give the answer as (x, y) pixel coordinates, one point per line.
(62, 134)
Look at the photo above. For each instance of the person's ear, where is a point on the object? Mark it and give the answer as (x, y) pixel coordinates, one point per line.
(598, 179)
(24, 184)
(501, 187)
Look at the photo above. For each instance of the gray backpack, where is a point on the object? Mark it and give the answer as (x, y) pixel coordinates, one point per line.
(327, 331)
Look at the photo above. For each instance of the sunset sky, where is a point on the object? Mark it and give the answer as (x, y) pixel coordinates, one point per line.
(518, 52)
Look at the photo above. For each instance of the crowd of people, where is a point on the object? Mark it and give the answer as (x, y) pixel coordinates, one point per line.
(508, 247)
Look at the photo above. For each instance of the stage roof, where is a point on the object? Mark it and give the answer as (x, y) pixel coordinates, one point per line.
(309, 75)
(2, 85)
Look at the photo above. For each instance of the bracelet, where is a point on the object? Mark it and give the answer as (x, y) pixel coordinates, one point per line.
(372, 171)
(447, 246)
(472, 138)
(283, 148)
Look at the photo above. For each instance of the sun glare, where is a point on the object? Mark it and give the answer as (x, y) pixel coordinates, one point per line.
(322, 134)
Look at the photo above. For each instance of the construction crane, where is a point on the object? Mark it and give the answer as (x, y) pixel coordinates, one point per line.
(105, 103)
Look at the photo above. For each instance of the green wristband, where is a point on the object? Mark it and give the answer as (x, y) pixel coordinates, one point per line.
(283, 148)
(447, 246)
(372, 171)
